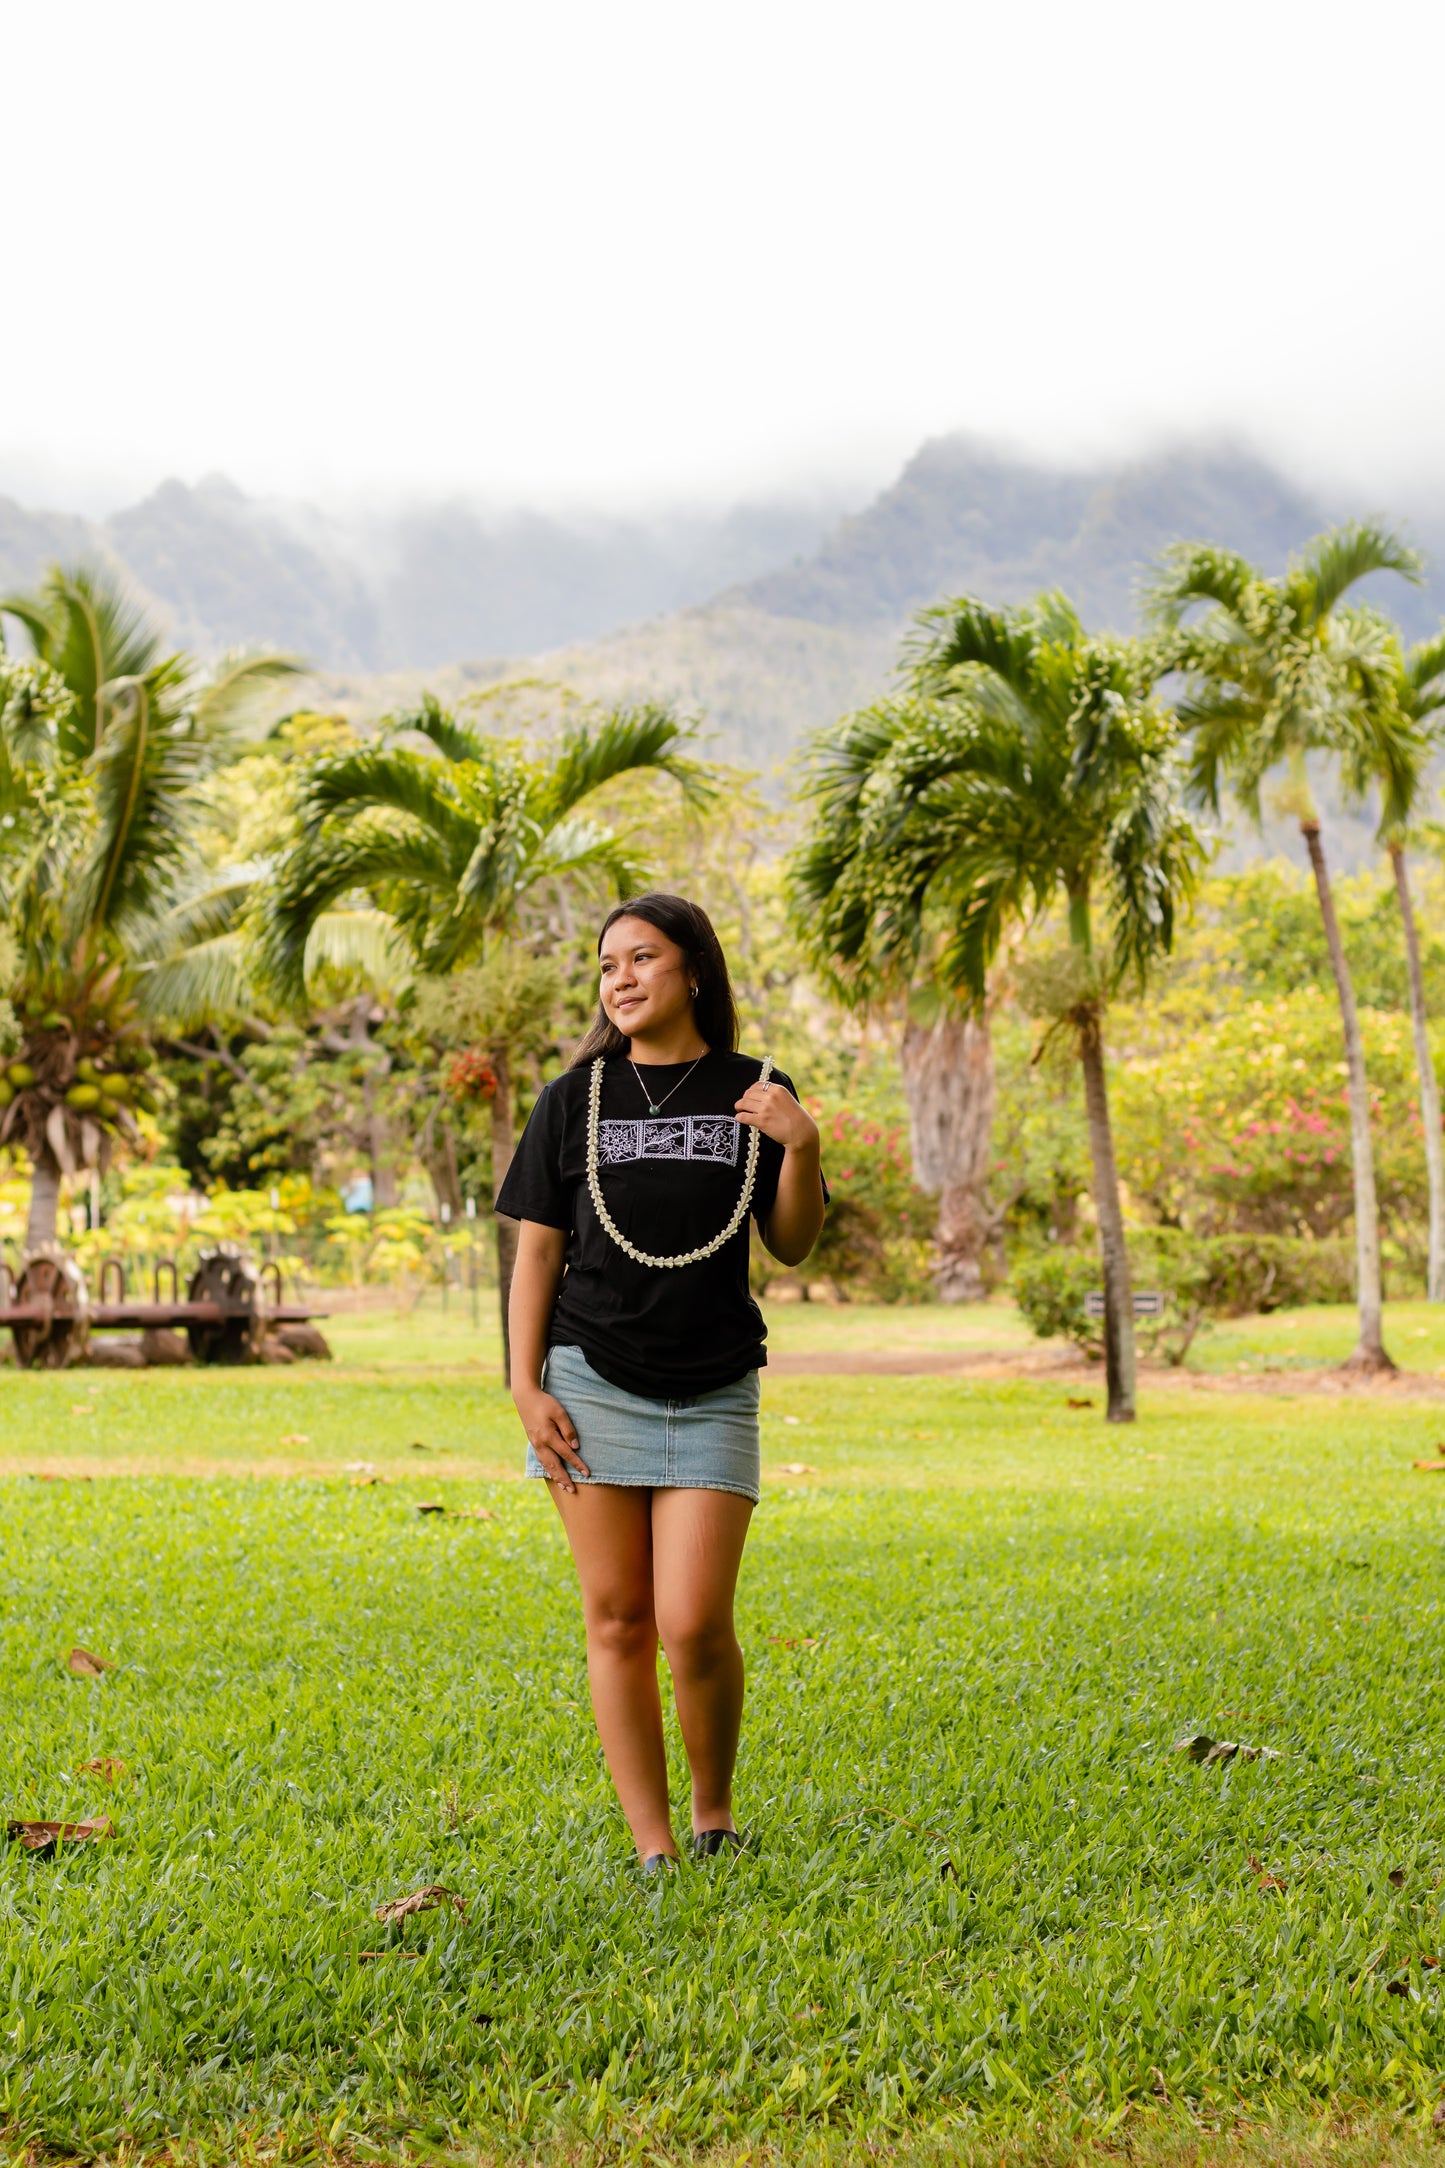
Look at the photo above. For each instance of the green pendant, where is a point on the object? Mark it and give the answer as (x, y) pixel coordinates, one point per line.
(652, 1109)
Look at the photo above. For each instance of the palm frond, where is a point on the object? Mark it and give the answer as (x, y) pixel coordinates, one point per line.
(451, 737)
(1335, 561)
(196, 985)
(1191, 573)
(145, 772)
(627, 739)
(397, 781)
(967, 634)
(227, 701)
(198, 914)
(360, 943)
(578, 846)
(29, 613)
(1424, 664)
(98, 634)
(411, 870)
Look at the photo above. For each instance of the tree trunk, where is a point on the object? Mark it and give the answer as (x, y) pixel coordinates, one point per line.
(439, 1152)
(1429, 1084)
(378, 1129)
(1119, 1363)
(378, 1148)
(44, 1201)
(1370, 1352)
(502, 1141)
(948, 1078)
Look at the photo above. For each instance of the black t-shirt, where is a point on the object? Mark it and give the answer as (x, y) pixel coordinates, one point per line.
(671, 1182)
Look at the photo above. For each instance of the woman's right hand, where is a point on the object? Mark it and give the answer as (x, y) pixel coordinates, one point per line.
(550, 1435)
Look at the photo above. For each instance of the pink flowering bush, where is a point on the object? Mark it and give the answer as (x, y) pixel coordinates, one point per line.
(1236, 1121)
(876, 1239)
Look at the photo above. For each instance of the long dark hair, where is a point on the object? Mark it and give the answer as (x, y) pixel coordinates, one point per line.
(714, 1011)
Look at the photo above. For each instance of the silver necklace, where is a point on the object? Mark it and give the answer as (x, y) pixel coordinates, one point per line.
(677, 1087)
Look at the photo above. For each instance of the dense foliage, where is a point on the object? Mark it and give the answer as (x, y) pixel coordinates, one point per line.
(378, 1071)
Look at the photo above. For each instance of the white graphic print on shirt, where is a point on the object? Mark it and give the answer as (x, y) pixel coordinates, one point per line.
(680, 1136)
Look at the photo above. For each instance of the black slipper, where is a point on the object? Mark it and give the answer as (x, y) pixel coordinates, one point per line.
(659, 1863)
(707, 1843)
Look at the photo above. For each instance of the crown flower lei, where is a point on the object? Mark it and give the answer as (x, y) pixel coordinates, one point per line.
(640, 1257)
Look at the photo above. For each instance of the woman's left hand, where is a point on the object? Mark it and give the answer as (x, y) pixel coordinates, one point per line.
(773, 1109)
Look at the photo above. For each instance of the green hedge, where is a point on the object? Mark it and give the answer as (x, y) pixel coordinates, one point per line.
(1199, 1277)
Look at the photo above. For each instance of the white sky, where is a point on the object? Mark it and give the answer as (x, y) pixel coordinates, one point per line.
(614, 250)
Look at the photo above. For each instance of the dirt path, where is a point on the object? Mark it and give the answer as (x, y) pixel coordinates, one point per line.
(1043, 1363)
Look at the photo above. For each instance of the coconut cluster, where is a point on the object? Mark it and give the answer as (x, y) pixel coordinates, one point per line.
(77, 1081)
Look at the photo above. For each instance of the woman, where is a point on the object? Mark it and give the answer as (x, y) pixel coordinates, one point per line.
(636, 1345)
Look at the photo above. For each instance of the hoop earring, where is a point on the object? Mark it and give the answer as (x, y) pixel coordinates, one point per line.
(693, 991)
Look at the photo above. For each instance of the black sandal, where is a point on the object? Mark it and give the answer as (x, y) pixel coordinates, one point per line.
(659, 1862)
(707, 1843)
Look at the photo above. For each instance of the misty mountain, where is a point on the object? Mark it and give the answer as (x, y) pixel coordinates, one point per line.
(963, 519)
(768, 619)
(410, 589)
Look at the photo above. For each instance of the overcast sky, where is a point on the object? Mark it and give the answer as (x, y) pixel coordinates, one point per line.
(616, 250)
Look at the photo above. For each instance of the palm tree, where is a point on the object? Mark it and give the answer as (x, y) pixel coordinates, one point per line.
(462, 843)
(1403, 708)
(1278, 669)
(1028, 765)
(105, 742)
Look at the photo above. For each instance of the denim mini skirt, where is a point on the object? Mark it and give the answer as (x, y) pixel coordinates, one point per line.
(710, 1443)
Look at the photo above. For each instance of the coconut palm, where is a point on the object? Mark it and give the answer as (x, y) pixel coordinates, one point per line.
(462, 842)
(1028, 766)
(1279, 668)
(1403, 710)
(105, 741)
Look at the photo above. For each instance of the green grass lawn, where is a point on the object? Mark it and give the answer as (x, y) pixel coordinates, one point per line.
(1313, 1338)
(988, 1908)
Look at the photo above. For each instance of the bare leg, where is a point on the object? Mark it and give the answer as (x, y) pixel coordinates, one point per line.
(697, 1547)
(610, 1531)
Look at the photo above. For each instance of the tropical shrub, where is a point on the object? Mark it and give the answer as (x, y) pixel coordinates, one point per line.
(1236, 1119)
(1049, 1287)
(1198, 1277)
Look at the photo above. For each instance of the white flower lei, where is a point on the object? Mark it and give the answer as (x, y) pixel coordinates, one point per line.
(640, 1257)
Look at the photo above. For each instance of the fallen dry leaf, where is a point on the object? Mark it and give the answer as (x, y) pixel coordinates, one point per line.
(358, 1467)
(82, 1664)
(801, 1641)
(436, 1896)
(419, 1445)
(1072, 1403)
(82, 1407)
(42, 1837)
(1397, 1987)
(365, 1482)
(474, 1513)
(431, 1505)
(1396, 1878)
(295, 1437)
(1437, 2120)
(1199, 1746)
(105, 1766)
(1432, 1467)
(1263, 1879)
(797, 1467)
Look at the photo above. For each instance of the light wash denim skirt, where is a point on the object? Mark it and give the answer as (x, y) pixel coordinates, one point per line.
(710, 1443)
